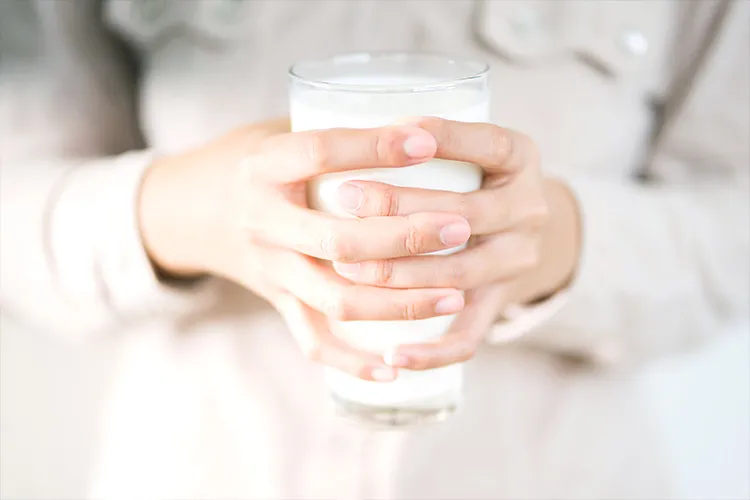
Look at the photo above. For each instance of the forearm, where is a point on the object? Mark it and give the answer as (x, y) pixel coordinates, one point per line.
(172, 217)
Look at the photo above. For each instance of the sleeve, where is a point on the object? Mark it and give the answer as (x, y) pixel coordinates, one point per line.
(665, 264)
(71, 259)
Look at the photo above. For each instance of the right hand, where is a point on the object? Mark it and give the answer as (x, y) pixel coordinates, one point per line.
(237, 208)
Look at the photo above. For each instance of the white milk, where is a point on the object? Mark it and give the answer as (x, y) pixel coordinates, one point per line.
(331, 109)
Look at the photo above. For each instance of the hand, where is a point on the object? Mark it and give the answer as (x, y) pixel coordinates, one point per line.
(525, 243)
(236, 208)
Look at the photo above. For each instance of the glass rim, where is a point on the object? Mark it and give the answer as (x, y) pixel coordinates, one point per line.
(365, 57)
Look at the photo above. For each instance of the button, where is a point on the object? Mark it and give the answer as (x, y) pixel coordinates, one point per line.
(150, 10)
(526, 22)
(226, 10)
(633, 42)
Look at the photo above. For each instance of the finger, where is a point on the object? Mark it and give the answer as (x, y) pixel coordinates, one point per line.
(320, 288)
(310, 330)
(499, 257)
(487, 211)
(303, 155)
(498, 150)
(349, 240)
(461, 341)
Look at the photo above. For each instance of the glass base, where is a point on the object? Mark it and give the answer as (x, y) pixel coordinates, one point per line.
(390, 417)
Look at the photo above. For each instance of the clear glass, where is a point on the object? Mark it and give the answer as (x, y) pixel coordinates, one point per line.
(371, 90)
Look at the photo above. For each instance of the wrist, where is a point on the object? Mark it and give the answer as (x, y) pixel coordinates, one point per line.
(560, 245)
(173, 221)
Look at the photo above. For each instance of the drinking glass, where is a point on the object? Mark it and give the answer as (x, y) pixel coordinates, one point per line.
(366, 90)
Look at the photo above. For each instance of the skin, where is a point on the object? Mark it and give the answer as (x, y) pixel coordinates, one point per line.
(236, 208)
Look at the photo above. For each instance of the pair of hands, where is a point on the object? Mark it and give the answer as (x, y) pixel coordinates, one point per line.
(237, 208)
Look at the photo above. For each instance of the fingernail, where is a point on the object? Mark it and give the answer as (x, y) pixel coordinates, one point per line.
(391, 358)
(450, 305)
(346, 268)
(350, 196)
(455, 234)
(420, 146)
(382, 374)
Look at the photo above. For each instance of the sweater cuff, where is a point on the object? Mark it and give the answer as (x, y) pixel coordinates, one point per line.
(585, 296)
(95, 245)
(518, 320)
(555, 323)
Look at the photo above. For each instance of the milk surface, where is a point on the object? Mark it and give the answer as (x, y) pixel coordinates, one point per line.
(315, 110)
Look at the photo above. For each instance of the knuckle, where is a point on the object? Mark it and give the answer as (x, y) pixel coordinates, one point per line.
(504, 215)
(363, 372)
(440, 129)
(502, 144)
(537, 215)
(384, 146)
(466, 348)
(319, 149)
(388, 203)
(535, 255)
(432, 123)
(467, 352)
(528, 260)
(384, 272)
(458, 275)
(465, 206)
(411, 311)
(337, 305)
(414, 241)
(535, 259)
(336, 248)
(247, 171)
(254, 237)
(421, 362)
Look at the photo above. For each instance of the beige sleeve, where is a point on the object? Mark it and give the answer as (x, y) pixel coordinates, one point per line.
(71, 259)
(666, 263)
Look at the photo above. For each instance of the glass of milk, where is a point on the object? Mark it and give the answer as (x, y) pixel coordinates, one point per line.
(366, 90)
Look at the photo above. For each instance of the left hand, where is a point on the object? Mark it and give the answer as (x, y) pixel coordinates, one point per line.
(524, 236)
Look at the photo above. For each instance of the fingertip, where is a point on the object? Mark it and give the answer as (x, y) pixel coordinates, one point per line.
(450, 304)
(350, 196)
(419, 143)
(419, 147)
(383, 374)
(436, 353)
(455, 233)
(395, 359)
(415, 360)
(347, 269)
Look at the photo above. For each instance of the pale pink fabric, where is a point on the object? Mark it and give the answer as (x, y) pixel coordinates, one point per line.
(212, 397)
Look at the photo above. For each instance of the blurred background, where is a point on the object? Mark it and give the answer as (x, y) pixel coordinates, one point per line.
(52, 397)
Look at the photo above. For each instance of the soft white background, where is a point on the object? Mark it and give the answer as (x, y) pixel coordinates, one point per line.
(52, 392)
